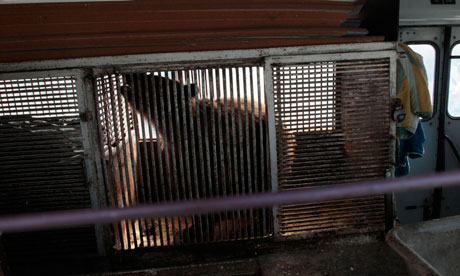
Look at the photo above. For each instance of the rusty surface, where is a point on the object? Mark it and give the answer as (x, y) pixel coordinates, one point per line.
(326, 116)
(171, 46)
(56, 31)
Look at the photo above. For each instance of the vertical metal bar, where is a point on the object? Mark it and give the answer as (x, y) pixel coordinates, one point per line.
(157, 96)
(133, 160)
(180, 176)
(390, 198)
(222, 175)
(109, 111)
(140, 94)
(254, 149)
(198, 224)
(240, 149)
(87, 104)
(269, 94)
(112, 194)
(186, 159)
(229, 141)
(207, 158)
(140, 181)
(261, 144)
(175, 183)
(125, 170)
(164, 152)
(199, 129)
(235, 139)
(170, 152)
(247, 153)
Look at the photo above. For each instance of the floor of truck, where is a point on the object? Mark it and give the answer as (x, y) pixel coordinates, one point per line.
(340, 258)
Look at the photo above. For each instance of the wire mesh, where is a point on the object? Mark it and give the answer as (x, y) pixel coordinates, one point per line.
(332, 126)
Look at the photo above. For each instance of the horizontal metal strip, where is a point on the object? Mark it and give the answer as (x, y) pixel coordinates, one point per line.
(46, 181)
(22, 136)
(351, 91)
(54, 197)
(317, 182)
(335, 134)
(77, 186)
(356, 211)
(332, 103)
(346, 221)
(290, 151)
(28, 94)
(44, 208)
(337, 161)
(332, 95)
(44, 168)
(44, 173)
(354, 129)
(358, 218)
(308, 174)
(335, 78)
(374, 225)
(342, 63)
(39, 127)
(328, 174)
(26, 166)
(337, 223)
(36, 103)
(323, 152)
(321, 207)
(325, 232)
(302, 170)
(331, 79)
(45, 199)
(23, 149)
(335, 109)
(40, 141)
(312, 141)
(41, 207)
(20, 151)
(46, 158)
(307, 181)
(19, 120)
(331, 157)
(329, 204)
(328, 69)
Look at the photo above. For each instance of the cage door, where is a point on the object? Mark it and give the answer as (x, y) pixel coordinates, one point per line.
(332, 126)
(191, 133)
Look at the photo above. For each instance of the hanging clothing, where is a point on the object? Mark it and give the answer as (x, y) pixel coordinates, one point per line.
(410, 148)
(412, 90)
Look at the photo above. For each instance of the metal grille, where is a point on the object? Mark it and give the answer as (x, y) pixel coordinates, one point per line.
(41, 160)
(332, 126)
(185, 134)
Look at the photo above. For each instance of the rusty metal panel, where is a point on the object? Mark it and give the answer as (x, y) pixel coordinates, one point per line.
(187, 133)
(42, 166)
(44, 31)
(332, 126)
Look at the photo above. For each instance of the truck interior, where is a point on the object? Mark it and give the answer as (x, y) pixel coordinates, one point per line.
(301, 137)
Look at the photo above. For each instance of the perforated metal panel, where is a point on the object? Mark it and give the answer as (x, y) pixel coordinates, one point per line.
(333, 126)
(42, 167)
(185, 134)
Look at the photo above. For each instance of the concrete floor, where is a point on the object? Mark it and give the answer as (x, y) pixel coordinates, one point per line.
(340, 258)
